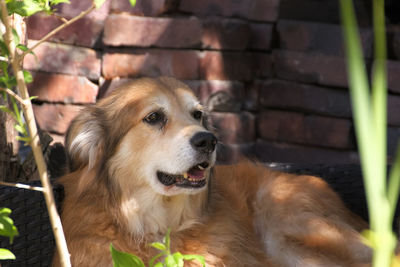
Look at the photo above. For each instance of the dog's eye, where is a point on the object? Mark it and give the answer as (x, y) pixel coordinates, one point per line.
(154, 117)
(197, 114)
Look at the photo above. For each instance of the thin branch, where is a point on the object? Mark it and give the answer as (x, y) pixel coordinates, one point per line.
(64, 20)
(59, 28)
(23, 186)
(35, 143)
(11, 93)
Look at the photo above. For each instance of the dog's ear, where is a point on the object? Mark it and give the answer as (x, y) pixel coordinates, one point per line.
(83, 141)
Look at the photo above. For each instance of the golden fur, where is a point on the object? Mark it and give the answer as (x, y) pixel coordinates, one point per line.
(246, 215)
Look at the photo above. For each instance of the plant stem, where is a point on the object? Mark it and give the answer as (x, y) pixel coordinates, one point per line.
(23, 186)
(15, 60)
(16, 97)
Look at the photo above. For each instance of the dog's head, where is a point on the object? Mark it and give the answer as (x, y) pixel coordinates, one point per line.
(148, 132)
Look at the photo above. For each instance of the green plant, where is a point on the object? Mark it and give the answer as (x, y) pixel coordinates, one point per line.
(8, 229)
(369, 109)
(122, 259)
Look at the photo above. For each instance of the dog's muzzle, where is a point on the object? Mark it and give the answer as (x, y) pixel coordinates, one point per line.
(204, 142)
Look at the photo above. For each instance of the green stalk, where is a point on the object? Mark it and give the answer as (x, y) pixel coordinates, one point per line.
(370, 125)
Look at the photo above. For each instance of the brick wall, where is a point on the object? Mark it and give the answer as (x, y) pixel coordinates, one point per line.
(271, 71)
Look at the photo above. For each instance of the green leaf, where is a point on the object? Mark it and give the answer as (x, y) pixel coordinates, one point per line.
(122, 259)
(152, 260)
(7, 227)
(27, 76)
(19, 128)
(195, 257)
(5, 254)
(25, 8)
(178, 257)
(3, 48)
(159, 264)
(25, 139)
(133, 2)
(16, 36)
(170, 261)
(33, 97)
(158, 245)
(56, 2)
(7, 110)
(98, 3)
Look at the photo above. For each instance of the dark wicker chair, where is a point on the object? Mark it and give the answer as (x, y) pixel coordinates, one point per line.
(35, 244)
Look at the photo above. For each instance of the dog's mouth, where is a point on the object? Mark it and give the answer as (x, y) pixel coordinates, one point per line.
(195, 177)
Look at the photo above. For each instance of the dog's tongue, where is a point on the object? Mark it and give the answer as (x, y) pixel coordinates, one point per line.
(196, 173)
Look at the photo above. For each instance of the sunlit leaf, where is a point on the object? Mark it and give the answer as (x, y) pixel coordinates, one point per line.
(133, 2)
(56, 2)
(27, 76)
(25, 8)
(195, 257)
(122, 259)
(7, 227)
(5, 254)
(98, 3)
(158, 245)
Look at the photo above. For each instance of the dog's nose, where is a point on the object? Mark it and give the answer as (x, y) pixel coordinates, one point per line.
(204, 142)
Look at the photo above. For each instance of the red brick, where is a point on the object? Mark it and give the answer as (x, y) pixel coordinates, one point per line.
(65, 59)
(125, 30)
(393, 82)
(288, 153)
(259, 10)
(393, 41)
(322, 11)
(298, 128)
(317, 37)
(219, 95)
(234, 128)
(84, 32)
(180, 64)
(393, 141)
(63, 88)
(394, 110)
(309, 98)
(219, 33)
(310, 68)
(226, 66)
(149, 8)
(260, 36)
(107, 86)
(262, 65)
(55, 118)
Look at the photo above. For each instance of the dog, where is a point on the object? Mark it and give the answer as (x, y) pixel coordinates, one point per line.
(142, 161)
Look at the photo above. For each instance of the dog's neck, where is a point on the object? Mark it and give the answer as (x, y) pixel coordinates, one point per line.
(148, 213)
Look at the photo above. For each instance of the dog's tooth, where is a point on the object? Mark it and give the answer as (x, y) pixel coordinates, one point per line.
(200, 167)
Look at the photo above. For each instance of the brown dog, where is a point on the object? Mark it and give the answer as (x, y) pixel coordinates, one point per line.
(142, 162)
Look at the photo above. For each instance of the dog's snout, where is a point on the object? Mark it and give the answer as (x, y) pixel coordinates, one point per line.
(204, 142)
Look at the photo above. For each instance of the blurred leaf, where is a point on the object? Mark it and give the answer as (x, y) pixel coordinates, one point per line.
(19, 128)
(7, 227)
(170, 261)
(7, 110)
(24, 139)
(56, 2)
(24, 8)
(16, 36)
(158, 245)
(133, 2)
(195, 257)
(3, 48)
(122, 259)
(151, 262)
(98, 3)
(27, 76)
(5, 254)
